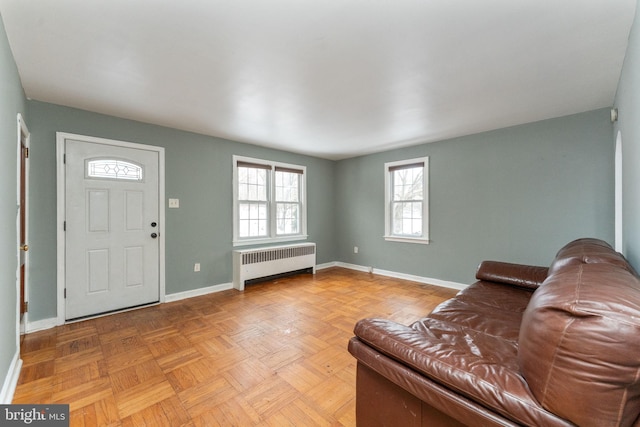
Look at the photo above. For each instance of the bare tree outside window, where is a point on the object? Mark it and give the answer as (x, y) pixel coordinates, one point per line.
(407, 202)
(252, 202)
(287, 202)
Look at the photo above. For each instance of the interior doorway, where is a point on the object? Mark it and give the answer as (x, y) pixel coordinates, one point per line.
(22, 222)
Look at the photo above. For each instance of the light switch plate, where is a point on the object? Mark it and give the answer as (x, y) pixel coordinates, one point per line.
(174, 203)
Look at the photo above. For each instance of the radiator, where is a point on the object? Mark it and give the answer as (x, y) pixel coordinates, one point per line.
(255, 263)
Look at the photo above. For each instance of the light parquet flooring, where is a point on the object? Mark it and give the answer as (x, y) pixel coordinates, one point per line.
(273, 355)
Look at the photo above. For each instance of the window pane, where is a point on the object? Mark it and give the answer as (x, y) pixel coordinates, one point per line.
(287, 218)
(287, 187)
(253, 211)
(416, 211)
(252, 184)
(396, 221)
(406, 226)
(407, 219)
(253, 220)
(407, 210)
(257, 228)
(408, 183)
(244, 228)
(252, 192)
(254, 228)
(416, 227)
(242, 191)
(244, 211)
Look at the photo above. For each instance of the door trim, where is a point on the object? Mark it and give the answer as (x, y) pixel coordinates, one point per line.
(61, 137)
(619, 235)
(22, 130)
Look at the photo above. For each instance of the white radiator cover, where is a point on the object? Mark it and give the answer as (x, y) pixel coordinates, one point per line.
(261, 262)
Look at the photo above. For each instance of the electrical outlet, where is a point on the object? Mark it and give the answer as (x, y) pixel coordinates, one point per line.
(174, 203)
(196, 266)
(355, 249)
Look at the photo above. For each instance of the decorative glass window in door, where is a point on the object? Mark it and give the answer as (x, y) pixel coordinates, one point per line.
(113, 169)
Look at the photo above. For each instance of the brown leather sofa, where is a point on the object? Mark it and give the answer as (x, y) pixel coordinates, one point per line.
(524, 345)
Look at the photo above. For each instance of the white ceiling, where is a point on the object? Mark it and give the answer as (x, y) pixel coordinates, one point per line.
(328, 78)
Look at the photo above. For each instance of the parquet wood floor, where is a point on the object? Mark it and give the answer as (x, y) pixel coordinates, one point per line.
(273, 355)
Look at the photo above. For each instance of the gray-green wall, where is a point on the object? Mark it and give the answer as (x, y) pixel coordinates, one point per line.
(198, 172)
(12, 102)
(516, 194)
(628, 104)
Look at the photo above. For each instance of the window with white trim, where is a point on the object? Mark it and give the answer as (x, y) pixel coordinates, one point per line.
(268, 201)
(407, 200)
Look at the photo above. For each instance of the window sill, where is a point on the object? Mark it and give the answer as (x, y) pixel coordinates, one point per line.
(283, 239)
(417, 240)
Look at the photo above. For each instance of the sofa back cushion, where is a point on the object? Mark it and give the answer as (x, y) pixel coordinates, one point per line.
(579, 344)
(587, 251)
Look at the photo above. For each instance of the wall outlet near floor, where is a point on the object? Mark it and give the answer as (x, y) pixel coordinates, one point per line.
(174, 203)
(355, 249)
(196, 266)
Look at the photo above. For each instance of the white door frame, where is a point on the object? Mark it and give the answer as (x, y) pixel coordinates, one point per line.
(8, 386)
(619, 235)
(61, 137)
(22, 130)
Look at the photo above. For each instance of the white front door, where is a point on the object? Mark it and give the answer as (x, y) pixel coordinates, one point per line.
(111, 227)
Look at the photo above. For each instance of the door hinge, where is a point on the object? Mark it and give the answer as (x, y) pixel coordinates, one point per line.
(25, 306)
(64, 159)
(26, 152)
(64, 226)
(65, 292)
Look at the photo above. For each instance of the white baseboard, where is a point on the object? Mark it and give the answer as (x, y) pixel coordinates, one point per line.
(396, 275)
(420, 279)
(41, 325)
(326, 265)
(11, 380)
(198, 292)
(344, 265)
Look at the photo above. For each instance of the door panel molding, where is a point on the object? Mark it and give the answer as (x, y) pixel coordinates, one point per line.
(61, 138)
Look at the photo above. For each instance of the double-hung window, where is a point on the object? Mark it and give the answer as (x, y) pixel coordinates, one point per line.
(269, 201)
(407, 200)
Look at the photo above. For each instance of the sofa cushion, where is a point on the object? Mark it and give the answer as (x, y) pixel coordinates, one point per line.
(579, 346)
(487, 307)
(587, 251)
(481, 367)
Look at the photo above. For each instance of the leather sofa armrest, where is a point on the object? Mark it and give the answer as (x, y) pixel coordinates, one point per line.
(525, 276)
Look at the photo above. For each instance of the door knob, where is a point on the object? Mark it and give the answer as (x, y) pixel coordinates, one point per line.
(153, 224)
(24, 248)
(154, 235)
